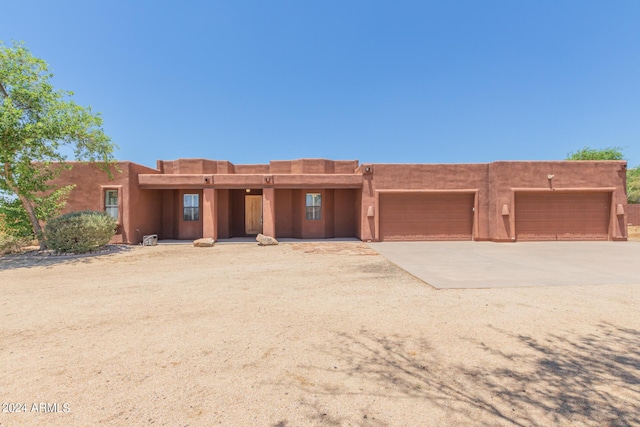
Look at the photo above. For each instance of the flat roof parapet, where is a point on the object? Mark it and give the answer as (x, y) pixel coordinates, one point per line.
(299, 166)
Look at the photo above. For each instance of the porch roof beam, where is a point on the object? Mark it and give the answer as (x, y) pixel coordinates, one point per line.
(174, 181)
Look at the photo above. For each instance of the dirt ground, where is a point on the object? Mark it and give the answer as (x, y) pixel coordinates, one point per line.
(303, 335)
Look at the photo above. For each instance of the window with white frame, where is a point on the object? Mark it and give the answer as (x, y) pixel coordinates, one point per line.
(111, 203)
(314, 206)
(191, 207)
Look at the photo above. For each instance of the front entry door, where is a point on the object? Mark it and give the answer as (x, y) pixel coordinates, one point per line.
(252, 214)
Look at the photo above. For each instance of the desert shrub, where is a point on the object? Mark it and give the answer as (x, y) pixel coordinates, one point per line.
(79, 232)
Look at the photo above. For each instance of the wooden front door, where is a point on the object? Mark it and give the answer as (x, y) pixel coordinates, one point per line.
(252, 214)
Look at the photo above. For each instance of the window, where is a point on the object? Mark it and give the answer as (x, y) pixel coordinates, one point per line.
(191, 207)
(314, 206)
(111, 203)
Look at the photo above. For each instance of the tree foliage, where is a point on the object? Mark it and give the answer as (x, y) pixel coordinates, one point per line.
(15, 219)
(36, 122)
(633, 185)
(588, 153)
(612, 153)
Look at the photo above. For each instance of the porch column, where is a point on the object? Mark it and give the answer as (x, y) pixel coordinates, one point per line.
(269, 212)
(210, 213)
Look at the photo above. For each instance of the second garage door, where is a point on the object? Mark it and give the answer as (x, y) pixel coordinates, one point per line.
(426, 216)
(562, 216)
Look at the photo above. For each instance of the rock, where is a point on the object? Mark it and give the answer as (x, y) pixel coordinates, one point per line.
(207, 242)
(266, 240)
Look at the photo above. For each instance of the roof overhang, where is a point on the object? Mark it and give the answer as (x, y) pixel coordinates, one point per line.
(185, 181)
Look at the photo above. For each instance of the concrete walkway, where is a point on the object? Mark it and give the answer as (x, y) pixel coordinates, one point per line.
(453, 265)
(252, 240)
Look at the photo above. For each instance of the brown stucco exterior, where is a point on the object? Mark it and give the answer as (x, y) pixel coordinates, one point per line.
(90, 184)
(633, 215)
(151, 200)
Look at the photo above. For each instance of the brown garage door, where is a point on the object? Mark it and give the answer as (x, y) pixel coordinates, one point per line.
(562, 216)
(423, 216)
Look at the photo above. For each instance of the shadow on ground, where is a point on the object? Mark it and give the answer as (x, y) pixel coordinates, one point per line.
(592, 379)
(34, 259)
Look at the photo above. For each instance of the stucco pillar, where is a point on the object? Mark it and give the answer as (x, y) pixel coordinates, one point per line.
(368, 211)
(209, 213)
(269, 212)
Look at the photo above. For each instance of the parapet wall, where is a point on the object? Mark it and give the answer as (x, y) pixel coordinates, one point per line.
(300, 166)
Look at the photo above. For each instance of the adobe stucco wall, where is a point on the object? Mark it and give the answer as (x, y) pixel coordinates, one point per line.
(424, 177)
(633, 214)
(186, 230)
(338, 218)
(495, 185)
(156, 205)
(506, 178)
(88, 192)
(283, 201)
(145, 207)
(299, 166)
(139, 210)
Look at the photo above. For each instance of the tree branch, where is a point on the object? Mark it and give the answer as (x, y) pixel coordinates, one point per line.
(3, 91)
(27, 204)
(7, 173)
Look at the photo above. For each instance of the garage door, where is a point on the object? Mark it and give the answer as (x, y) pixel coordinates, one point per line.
(562, 216)
(422, 216)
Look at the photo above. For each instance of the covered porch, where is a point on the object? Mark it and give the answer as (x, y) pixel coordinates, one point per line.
(227, 207)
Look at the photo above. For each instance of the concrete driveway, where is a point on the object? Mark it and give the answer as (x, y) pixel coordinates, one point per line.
(458, 265)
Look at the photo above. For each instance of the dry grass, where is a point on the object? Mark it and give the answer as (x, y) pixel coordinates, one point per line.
(633, 232)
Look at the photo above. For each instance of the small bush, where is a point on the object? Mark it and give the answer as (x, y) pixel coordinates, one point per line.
(79, 232)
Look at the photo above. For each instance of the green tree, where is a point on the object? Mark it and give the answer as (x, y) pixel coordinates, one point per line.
(612, 153)
(588, 153)
(633, 185)
(15, 219)
(36, 123)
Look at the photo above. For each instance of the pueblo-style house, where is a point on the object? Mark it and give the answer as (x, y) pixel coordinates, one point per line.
(502, 201)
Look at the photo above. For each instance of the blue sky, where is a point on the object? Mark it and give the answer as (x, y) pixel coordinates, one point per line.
(379, 81)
